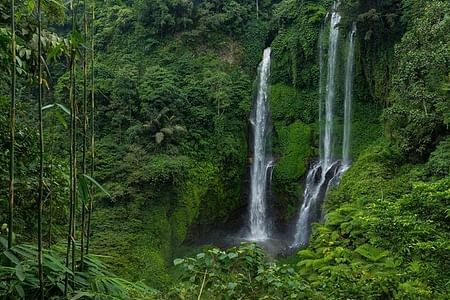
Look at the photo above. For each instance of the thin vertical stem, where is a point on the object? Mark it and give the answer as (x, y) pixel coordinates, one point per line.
(50, 225)
(70, 236)
(91, 199)
(74, 157)
(71, 198)
(41, 155)
(52, 162)
(13, 127)
(85, 124)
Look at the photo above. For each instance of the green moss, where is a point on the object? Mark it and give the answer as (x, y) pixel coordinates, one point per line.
(294, 148)
(291, 111)
(138, 251)
(166, 196)
(153, 265)
(288, 104)
(201, 177)
(294, 141)
(366, 125)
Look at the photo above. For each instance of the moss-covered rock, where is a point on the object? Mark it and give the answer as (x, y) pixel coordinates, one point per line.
(294, 148)
(294, 142)
(200, 177)
(139, 250)
(292, 110)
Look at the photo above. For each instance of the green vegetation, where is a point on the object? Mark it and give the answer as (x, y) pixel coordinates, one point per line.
(18, 273)
(238, 273)
(293, 115)
(292, 165)
(162, 150)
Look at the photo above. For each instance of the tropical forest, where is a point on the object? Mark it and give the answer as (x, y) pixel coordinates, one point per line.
(224, 149)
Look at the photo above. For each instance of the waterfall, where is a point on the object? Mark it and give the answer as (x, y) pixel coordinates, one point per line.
(330, 91)
(328, 170)
(262, 161)
(348, 98)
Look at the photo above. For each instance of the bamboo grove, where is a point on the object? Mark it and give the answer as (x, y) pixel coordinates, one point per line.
(78, 51)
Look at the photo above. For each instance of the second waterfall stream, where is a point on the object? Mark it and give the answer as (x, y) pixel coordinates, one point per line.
(328, 170)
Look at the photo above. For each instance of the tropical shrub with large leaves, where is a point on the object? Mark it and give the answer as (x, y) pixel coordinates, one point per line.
(243, 272)
(19, 269)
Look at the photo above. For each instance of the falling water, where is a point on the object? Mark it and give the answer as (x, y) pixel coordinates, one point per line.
(318, 175)
(349, 66)
(330, 91)
(262, 160)
(348, 98)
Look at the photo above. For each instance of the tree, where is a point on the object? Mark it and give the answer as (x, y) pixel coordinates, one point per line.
(419, 107)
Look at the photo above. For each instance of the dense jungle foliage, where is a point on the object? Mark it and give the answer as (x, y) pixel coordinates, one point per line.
(173, 83)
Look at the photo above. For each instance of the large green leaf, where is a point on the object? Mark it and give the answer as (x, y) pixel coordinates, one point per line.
(11, 257)
(20, 272)
(97, 184)
(20, 291)
(83, 190)
(372, 253)
(61, 106)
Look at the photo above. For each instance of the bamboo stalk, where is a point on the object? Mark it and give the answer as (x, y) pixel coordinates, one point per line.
(41, 155)
(13, 127)
(91, 199)
(69, 236)
(74, 157)
(85, 124)
(72, 167)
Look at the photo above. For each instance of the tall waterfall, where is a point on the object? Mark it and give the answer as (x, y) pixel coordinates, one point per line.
(316, 177)
(330, 92)
(262, 160)
(328, 169)
(348, 98)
